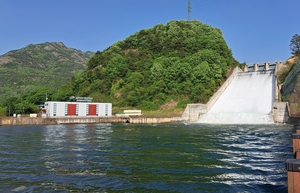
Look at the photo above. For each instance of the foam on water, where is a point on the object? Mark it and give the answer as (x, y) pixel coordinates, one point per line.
(247, 100)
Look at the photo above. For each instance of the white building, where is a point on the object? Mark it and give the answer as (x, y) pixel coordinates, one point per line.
(76, 109)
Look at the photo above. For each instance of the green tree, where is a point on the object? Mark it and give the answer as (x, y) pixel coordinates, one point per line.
(10, 103)
(63, 93)
(295, 44)
(3, 111)
(26, 107)
(39, 96)
(132, 91)
(117, 67)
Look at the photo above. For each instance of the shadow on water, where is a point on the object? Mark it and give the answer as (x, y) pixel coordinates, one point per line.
(145, 158)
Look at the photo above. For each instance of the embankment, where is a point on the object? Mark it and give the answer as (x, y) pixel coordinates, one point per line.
(84, 120)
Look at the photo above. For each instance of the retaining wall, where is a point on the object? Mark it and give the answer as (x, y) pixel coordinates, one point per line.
(281, 112)
(83, 120)
(192, 112)
(26, 121)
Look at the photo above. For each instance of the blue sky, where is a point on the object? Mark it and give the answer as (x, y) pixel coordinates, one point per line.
(255, 31)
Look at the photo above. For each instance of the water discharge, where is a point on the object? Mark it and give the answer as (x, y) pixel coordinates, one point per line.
(247, 100)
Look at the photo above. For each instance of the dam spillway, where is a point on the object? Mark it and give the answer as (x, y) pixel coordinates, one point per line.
(247, 100)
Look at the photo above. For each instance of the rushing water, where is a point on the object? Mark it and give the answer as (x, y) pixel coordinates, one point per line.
(144, 158)
(247, 100)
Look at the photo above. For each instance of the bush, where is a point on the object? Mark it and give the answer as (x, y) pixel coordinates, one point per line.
(182, 104)
(2, 111)
(149, 106)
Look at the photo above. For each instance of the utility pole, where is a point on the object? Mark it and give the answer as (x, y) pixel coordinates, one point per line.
(189, 10)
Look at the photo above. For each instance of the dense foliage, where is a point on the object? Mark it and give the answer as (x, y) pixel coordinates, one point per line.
(181, 61)
(29, 102)
(46, 65)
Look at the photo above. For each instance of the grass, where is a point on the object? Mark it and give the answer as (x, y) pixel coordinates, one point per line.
(164, 113)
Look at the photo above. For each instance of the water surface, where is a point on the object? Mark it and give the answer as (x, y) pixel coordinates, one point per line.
(144, 158)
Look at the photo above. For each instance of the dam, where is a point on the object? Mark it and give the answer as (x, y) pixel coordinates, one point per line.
(247, 97)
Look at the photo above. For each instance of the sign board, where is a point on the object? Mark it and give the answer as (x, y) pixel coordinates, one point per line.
(84, 99)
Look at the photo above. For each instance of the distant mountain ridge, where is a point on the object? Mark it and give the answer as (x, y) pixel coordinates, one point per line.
(47, 65)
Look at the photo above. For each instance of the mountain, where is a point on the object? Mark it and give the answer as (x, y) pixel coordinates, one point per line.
(175, 63)
(46, 65)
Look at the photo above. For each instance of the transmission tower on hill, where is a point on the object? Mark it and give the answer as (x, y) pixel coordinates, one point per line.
(189, 10)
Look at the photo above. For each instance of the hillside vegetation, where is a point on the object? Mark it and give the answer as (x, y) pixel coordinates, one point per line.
(290, 91)
(160, 68)
(180, 61)
(46, 65)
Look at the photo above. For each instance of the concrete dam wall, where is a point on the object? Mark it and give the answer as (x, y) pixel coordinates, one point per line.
(246, 98)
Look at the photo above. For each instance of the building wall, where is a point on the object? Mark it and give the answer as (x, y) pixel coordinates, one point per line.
(80, 109)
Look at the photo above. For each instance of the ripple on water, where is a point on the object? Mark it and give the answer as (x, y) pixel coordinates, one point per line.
(144, 158)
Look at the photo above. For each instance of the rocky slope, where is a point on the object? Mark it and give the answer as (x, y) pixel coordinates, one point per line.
(290, 71)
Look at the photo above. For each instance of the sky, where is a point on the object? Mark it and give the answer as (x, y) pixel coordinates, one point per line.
(255, 30)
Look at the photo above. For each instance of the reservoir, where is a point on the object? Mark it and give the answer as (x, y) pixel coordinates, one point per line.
(145, 158)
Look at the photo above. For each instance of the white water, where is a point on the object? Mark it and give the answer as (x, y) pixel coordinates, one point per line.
(247, 100)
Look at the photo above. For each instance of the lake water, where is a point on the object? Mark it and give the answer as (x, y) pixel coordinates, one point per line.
(144, 158)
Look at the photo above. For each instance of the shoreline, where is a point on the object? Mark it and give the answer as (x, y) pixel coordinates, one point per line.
(13, 121)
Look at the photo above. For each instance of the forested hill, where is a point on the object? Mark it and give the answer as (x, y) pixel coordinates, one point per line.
(161, 68)
(181, 61)
(46, 65)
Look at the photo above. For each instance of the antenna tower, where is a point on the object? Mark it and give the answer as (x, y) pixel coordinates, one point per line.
(189, 10)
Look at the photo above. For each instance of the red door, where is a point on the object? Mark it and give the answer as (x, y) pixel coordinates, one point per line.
(92, 110)
(71, 109)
